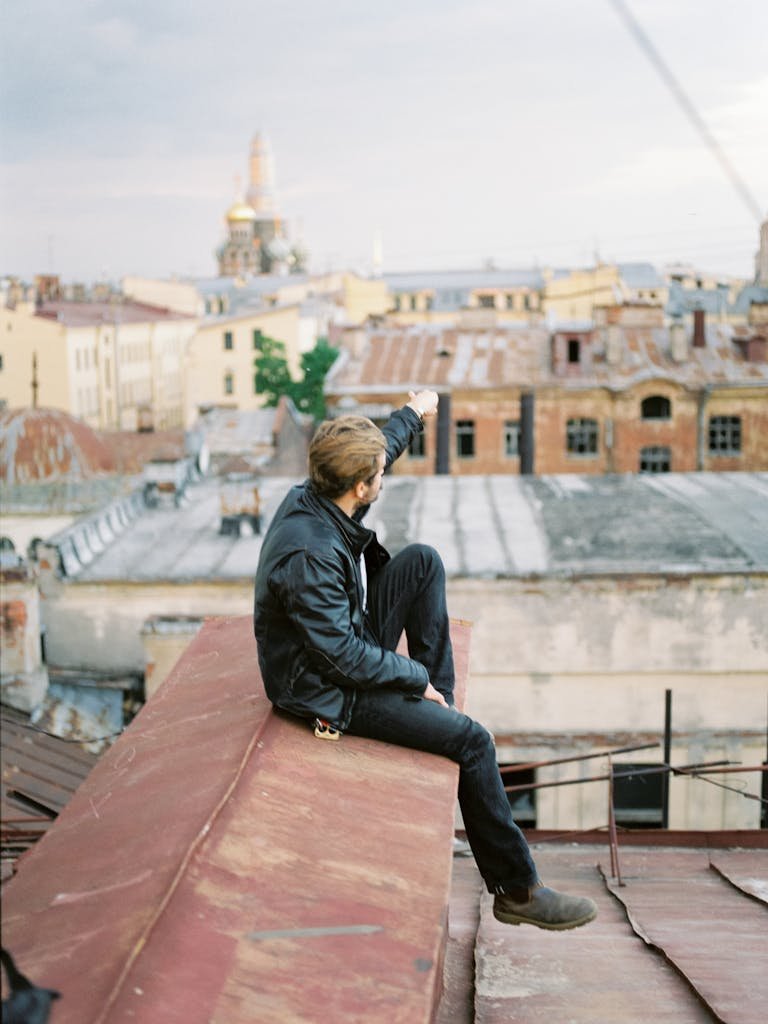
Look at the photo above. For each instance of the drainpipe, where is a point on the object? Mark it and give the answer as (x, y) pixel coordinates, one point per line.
(527, 441)
(701, 426)
(443, 447)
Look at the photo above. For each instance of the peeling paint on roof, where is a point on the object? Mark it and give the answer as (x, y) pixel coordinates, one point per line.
(48, 444)
(511, 356)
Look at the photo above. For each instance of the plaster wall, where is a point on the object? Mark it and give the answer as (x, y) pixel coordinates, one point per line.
(21, 335)
(570, 667)
(557, 667)
(208, 362)
(99, 625)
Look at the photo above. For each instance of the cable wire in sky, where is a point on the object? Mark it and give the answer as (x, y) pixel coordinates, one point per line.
(690, 110)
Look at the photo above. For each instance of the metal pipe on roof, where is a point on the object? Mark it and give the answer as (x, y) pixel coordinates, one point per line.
(527, 441)
(667, 757)
(443, 446)
(510, 768)
(691, 769)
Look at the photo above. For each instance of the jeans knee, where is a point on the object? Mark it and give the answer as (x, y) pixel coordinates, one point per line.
(428, 558)
(478, 744)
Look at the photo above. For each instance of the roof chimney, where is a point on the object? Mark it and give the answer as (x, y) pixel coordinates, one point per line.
(699, 339)
(678, 342)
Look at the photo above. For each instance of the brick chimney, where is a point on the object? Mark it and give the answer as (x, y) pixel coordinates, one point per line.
(699, 337)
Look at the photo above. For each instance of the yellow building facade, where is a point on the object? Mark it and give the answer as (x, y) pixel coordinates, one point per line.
(116, 366)
(219, 366)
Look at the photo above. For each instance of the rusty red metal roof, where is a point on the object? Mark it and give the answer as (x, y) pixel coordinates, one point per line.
(87, 314)
(221, 864)
(395, 358)
(677, 942)
(48, 444)
(40, 774)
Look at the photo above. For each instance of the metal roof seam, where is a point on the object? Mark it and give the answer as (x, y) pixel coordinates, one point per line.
(178, 877)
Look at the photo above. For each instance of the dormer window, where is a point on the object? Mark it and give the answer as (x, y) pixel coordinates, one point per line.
(656, 407)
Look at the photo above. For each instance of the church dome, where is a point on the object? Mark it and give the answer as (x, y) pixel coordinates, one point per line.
(49, 444)
(241, 212)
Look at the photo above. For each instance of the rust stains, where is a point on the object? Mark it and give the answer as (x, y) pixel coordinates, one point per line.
(49, 444)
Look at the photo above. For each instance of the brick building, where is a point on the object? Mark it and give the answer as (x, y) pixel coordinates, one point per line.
(619, 393)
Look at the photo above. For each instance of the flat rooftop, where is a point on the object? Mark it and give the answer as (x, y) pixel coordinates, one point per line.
(484, 526)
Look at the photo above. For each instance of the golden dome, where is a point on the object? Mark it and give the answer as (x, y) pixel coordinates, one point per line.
(241, 211)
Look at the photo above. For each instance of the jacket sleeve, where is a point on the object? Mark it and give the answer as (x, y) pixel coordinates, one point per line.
(311, 589)
(399, 429)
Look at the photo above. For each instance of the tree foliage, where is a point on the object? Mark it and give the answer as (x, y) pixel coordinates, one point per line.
(273, 378)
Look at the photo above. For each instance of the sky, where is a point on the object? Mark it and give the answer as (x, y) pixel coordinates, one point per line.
(458, 133)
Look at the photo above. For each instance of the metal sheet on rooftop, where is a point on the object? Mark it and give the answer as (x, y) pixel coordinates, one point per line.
(496, 526)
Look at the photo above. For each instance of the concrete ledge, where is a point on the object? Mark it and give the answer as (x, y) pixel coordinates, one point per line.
(220, 864)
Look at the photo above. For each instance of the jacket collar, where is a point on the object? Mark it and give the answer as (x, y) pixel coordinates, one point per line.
(358, 537)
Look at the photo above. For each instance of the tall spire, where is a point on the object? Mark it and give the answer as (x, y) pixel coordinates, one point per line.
(261, 192)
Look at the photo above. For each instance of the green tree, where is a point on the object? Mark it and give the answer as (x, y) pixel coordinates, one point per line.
(315, 364)
(273, 378)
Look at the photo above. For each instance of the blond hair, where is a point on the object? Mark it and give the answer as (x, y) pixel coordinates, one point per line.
(343, 452)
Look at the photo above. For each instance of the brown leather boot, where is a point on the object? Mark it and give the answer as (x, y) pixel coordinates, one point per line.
(545, 908)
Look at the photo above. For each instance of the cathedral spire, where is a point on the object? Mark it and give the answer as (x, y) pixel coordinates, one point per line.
(261, 192)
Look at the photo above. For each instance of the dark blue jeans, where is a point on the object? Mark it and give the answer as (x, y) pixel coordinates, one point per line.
(408, 593)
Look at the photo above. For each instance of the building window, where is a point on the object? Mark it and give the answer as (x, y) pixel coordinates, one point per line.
(229, 384)
(656, 407)
(522, 802)
(430, 302)
(581, 437)
(512, 437)
(725, 435)
(398, 302)
(655, 459)
(228, 341)
(638, 795)
(510, 300)
(417, 447)
(465, 438)
(414, 301)
(1, 360)
(258, 338)
(574, 350)
(486, 301)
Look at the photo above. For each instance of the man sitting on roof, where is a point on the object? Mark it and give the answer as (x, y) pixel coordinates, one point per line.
(330, 607)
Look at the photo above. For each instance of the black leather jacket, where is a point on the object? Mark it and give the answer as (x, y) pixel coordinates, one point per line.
(314, 647)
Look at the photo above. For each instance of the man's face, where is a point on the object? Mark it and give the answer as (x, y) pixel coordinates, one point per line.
(373, 488)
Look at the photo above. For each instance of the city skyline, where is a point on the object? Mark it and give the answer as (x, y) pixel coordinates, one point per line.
(454, 134)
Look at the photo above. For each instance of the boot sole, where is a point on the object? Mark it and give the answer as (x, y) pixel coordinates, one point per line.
(560, 926)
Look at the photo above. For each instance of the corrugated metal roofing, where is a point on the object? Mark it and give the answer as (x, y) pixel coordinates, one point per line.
(40, 773)
(512, 356)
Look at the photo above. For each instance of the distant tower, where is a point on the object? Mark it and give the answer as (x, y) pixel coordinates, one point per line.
(261, 192)
(257, 243)
(761, 260)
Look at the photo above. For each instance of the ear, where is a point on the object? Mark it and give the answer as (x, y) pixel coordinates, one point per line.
(360, 489)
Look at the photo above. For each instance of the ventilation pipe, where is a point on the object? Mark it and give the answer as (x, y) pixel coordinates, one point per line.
(526, 433)
(443, 450)
(699, 338)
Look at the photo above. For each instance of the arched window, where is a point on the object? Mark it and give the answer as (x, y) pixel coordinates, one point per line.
(656, 407)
